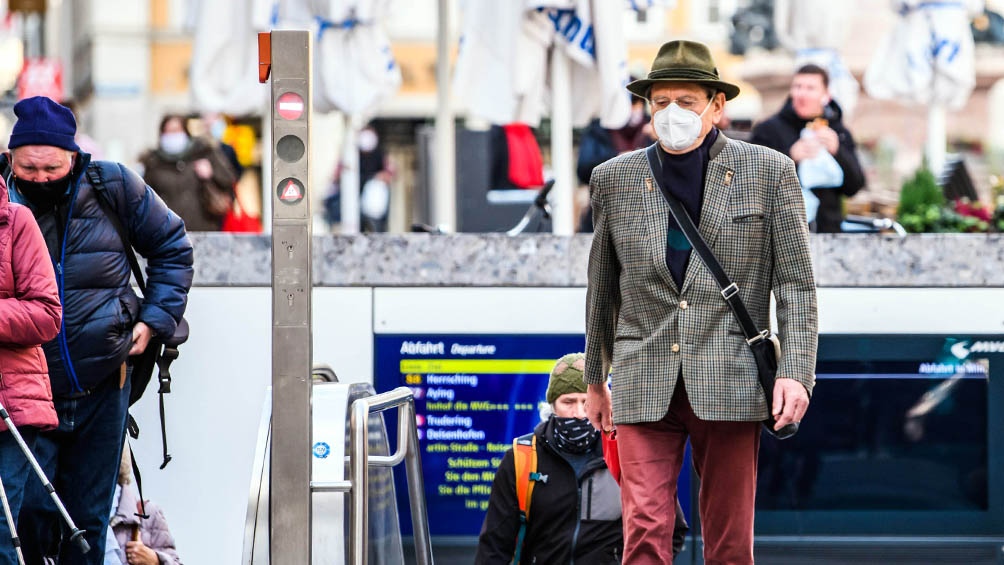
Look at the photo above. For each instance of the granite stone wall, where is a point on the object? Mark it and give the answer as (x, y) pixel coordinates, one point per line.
(542, 260)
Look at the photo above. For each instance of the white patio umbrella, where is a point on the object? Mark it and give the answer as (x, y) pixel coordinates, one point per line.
(515, 55)
(224, 65)
(814, 30)
(927, 59)
(354, 73)
(354, 69)
(502, 72)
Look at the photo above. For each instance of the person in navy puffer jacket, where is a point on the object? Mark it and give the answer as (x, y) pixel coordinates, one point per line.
(29, 316)
(104, 321)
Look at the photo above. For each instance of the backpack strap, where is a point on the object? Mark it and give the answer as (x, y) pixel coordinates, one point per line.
(140, 506)
(104, 200)
(524, 451)
(170, 351)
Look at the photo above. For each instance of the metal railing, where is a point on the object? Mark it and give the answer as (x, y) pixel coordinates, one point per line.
(360, 460)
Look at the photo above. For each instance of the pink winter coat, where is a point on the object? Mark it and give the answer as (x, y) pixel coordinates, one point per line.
(29, 316)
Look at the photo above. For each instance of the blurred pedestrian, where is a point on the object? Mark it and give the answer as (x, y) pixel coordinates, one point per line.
(29, 316)
(245, 214)
(809, 128)
(682, 369)
(599, 144)
(637, 132)
(375, 175)
(214, 128)
(141, 530)
(191, 175)
(80, 206)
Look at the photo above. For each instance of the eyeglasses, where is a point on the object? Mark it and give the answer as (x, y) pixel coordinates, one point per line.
(687, 102)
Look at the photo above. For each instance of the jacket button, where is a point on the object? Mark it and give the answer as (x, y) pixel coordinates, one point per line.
(683, 305)
(675, 348)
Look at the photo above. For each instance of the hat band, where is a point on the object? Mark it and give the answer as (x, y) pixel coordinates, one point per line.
(694, 74)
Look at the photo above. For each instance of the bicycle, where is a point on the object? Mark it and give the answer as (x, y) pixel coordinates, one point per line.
(540, 209)
(868, 224)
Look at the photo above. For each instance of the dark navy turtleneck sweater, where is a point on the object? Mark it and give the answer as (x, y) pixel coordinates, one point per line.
(683, 177)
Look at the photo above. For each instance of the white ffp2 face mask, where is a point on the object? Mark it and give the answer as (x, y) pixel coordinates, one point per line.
(677, 128)
(174, 142)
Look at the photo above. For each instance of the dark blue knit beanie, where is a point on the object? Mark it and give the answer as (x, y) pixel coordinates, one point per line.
(41, 121)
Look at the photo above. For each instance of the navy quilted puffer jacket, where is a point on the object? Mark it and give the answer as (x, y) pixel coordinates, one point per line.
(92, 270)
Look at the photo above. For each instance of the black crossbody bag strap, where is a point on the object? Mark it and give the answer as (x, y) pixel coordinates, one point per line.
(730, 292)
(169, 354)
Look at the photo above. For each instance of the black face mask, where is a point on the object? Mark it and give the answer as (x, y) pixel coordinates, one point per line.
(43, 195)
(574, 435)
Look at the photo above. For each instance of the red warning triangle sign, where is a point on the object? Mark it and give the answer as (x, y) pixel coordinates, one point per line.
(291, 192)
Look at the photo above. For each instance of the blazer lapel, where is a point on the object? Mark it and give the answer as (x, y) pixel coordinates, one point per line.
(714, 210)
(657, 225)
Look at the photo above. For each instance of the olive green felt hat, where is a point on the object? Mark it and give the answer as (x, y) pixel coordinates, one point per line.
(566, 376)
(683, 61)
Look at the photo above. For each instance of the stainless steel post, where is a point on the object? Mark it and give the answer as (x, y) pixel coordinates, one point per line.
(416, 489)
(359, 512)
(290, 500)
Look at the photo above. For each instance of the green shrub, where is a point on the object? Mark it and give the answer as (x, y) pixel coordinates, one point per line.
(922, 205)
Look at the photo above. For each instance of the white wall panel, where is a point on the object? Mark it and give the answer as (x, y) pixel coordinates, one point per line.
(213, 411)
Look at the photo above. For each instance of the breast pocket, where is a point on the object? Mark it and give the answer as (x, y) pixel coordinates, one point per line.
(744, 238)
(748, 214)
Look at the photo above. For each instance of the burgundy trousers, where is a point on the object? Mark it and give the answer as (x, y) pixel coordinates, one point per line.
(651, 457)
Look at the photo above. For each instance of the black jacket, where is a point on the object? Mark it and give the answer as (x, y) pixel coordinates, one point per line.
(570, 517)
(782, 130)
(92, 271)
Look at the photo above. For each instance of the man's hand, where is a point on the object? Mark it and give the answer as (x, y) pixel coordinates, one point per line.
(139, 554)
(141, 334)
(803, 149)
(790, 402)
(598, 407)
(829, 139)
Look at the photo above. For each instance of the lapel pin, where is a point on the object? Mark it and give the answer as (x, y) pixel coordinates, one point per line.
(648, 184)
(728, 178)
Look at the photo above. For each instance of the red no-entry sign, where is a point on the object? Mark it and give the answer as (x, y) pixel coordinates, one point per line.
(289, 105)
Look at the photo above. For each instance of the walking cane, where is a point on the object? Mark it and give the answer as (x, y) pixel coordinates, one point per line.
(76, 534)
(10, 523)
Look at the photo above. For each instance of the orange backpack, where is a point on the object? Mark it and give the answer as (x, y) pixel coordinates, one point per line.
(524, 451)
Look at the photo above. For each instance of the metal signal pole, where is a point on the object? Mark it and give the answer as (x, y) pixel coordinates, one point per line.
(287, 56)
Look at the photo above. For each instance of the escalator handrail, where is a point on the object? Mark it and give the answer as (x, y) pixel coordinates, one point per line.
(408, 451)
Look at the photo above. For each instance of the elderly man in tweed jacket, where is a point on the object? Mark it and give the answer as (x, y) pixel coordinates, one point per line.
(656, 321)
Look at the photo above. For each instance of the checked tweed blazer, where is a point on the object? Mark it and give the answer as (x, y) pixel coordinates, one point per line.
(642, 330)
